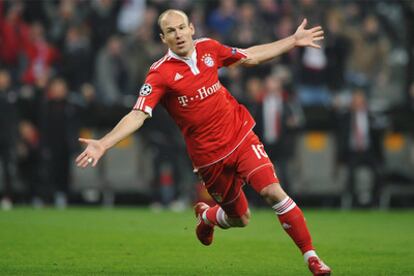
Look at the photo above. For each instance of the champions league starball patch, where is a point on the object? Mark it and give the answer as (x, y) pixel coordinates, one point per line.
(146, 89)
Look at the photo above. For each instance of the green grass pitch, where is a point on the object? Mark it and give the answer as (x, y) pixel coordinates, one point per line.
(135, 241)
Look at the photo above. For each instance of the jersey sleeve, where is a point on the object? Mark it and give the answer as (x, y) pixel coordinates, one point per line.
(151, 92)
(226, 55)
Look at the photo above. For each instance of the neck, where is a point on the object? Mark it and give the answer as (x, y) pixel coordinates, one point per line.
(186, 56)
(189, 53)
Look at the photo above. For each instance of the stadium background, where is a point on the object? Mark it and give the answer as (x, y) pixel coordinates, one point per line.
(75, 68)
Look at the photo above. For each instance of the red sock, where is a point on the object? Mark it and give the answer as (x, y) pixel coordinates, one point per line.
(211, 214)
(293, 221)
(216, 216)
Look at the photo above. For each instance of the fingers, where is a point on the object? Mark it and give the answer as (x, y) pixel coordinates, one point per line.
(316, 29)
(314, 45)
(303, 24)
(319, 33)
(80, 162)
(83, 140)
(84, 159)
(83, 163)
(80, 156)
(87, 157)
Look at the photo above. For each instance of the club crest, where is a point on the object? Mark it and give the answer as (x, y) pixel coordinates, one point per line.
(208, 60)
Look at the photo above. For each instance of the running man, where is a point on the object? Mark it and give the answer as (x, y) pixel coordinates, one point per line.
(224, 150)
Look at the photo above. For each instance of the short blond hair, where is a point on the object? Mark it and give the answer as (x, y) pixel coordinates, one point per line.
(168, 12)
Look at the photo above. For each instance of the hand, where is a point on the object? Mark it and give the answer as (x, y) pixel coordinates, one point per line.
(91, 155)
(308, 37)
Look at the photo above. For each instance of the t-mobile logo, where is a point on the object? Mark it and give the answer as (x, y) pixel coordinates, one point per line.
(183, 100)
(204, 92)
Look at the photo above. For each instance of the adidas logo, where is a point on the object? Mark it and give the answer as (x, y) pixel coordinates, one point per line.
(178, 76)
(286, 226)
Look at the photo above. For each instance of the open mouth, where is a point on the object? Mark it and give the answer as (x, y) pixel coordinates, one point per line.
(180, 44)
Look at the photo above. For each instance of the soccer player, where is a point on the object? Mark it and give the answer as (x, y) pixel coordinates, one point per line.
(224, 150)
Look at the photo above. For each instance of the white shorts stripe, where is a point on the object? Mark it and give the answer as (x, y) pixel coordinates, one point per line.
(258, 168)
(221, 158)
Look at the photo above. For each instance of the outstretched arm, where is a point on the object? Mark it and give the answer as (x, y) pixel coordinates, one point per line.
(302, 37)
(96, 148)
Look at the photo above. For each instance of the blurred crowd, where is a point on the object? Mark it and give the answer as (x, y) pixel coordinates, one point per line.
(70, 64)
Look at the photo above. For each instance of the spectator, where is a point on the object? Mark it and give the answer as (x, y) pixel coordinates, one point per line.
(76, 59)
(360, 146)
(111, 72)
(29, 162)
(13, 34)
(102, 22)
(59, 131)
(8, 122)
(131, 15)
(31, 97)
(337, 47)
(197, 16)
(254, 94)
(276, 120)
(249, 28)
(368, 56)
(141, 49)
(269, 11)
(39, 53)
(65, 16)
(221, 20)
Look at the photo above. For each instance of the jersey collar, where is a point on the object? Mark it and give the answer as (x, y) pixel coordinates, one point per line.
(174, 55)
(190, 61)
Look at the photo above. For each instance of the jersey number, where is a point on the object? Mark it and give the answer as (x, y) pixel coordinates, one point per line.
(259, 151)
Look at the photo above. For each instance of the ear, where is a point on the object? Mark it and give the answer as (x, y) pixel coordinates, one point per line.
(192, 28)
(163, 38)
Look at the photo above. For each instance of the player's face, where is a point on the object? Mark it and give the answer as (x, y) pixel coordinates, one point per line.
(178, 34)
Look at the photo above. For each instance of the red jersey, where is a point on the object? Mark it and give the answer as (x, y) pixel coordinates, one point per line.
(212, 121)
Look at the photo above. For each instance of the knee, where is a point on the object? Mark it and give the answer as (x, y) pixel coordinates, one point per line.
(242, 221)
(273, 193)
